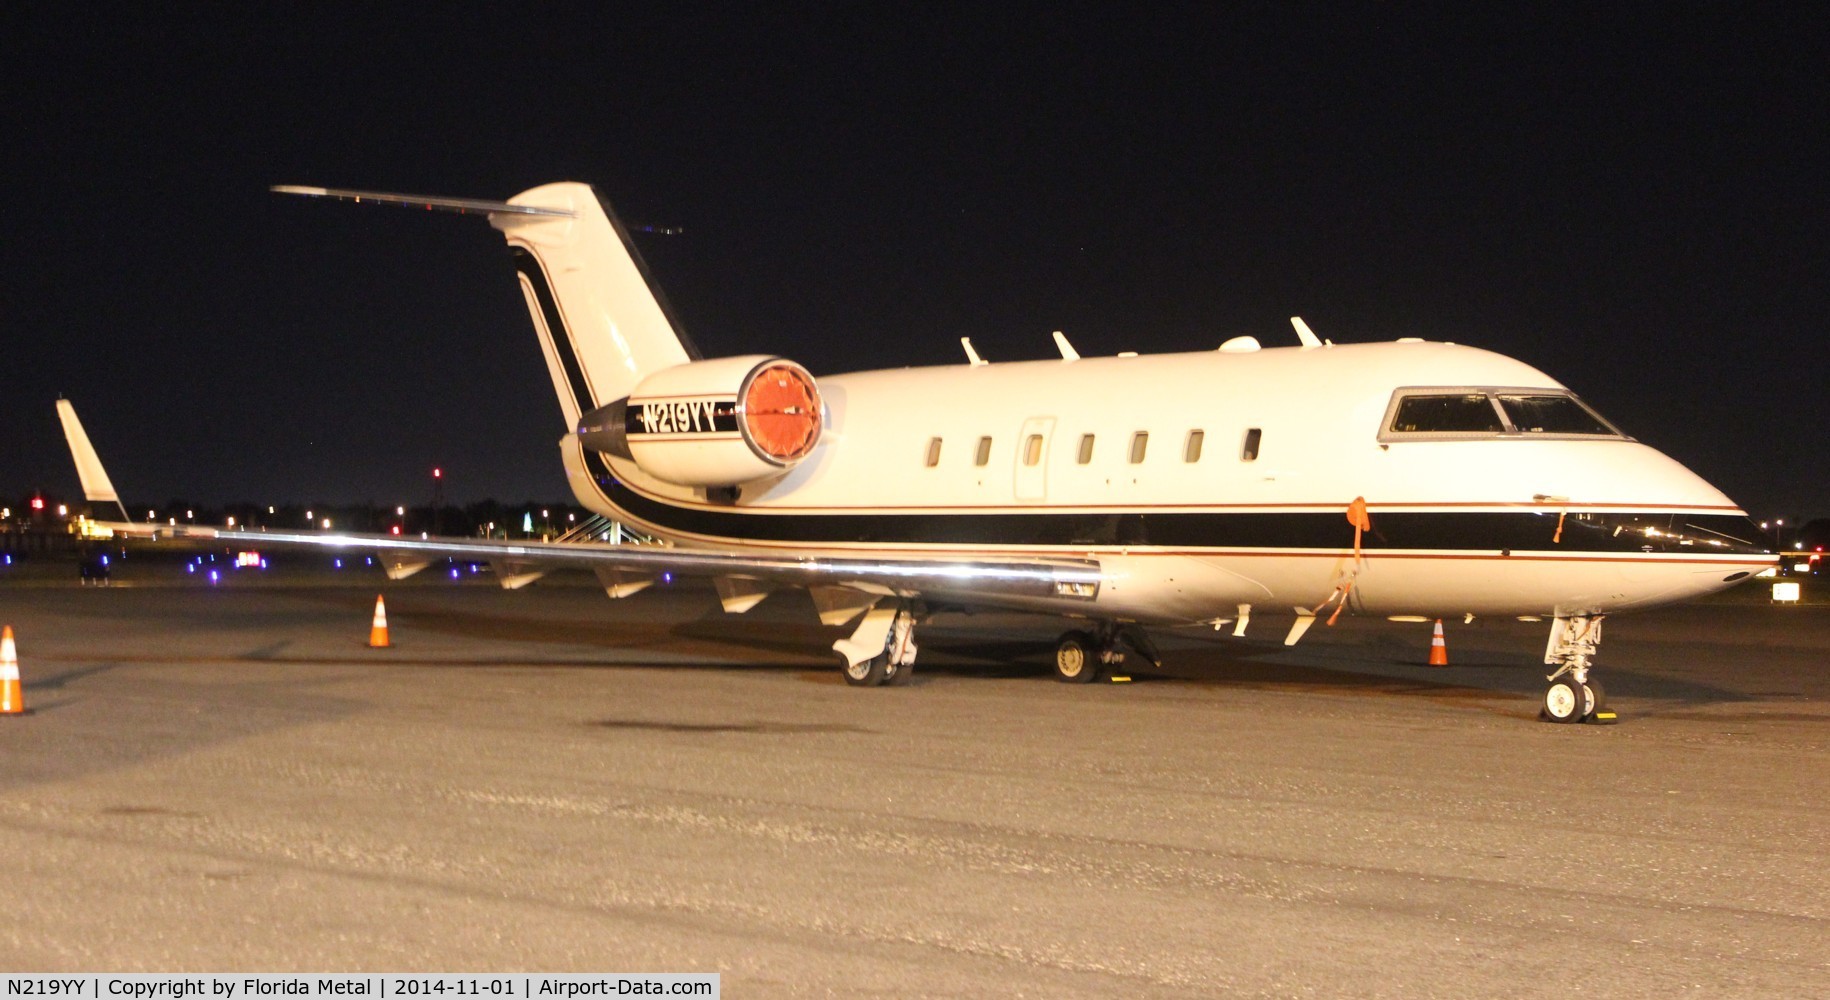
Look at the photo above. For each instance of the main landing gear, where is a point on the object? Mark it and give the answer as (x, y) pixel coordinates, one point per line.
(882, 650)
(1573, 695)
(1082, 656)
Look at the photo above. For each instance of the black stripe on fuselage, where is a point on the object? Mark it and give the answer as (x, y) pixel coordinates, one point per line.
(1485, 530)
(529, 267)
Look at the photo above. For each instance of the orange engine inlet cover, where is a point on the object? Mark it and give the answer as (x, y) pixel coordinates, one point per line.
(781, 412)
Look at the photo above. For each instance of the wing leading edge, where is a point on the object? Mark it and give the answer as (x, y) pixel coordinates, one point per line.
(945, 579)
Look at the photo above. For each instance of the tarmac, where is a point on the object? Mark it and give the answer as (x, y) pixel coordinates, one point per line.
(218, 779)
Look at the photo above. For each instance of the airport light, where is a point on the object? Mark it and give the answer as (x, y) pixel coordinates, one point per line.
(327, 524)
(1785, 592)
(400, 512)
(231, 522)
(63, 511)
(438, 500)
(38, 503)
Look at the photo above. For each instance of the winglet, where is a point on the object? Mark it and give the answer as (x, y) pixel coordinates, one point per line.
(1067, 350)
(96, 486)
(972, 356)
(1304, 334)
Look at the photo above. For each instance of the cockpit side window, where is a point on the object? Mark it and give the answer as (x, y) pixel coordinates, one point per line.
(1459, 413)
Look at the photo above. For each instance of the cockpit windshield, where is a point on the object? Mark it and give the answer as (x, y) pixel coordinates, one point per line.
(1552, 414)
(1464, 413)
(1456, 413)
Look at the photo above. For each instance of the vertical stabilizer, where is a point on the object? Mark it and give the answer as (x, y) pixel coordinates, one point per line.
(602, 326)
(96, 486)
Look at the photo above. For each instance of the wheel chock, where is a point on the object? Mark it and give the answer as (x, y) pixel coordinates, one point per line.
(1119, 679)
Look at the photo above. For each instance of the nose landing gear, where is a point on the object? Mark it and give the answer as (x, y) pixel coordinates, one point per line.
(1574, 696)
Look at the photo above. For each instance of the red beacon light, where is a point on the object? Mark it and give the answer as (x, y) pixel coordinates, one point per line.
(38, 503)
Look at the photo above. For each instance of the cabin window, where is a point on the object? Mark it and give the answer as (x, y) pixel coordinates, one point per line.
(1249, 453)
(1086, 449)
(1139, 442)
(1462, 413)
(984, 453)
(1191, 451)
(933, 452)
(1032, 449)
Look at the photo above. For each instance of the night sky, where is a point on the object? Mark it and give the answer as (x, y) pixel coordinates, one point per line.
(1634, 202)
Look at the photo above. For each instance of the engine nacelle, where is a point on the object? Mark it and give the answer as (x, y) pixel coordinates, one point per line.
(722, 422)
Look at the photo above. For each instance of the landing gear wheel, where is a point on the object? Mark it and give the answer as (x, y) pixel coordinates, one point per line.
(1598, 703)
(1566, 700)
(1076, 658)
(866, 673)
(901, 676)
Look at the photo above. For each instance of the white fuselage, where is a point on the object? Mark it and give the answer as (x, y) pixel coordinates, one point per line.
(1457, 526)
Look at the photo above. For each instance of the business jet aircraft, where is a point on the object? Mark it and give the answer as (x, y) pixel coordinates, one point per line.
(1406, 479)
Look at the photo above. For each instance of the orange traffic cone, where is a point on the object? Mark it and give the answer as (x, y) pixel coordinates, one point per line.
(1439, 651)
(378, 632)
(12, 697)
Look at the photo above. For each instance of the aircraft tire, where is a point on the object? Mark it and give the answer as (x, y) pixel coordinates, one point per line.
(1076, 658)
(1598, 699)
(870, 673)
(903, 677)
(1566, 701)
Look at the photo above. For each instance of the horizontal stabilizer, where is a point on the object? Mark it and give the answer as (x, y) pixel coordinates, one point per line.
(423, 202)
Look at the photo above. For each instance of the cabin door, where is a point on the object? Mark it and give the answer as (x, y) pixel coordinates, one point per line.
(1032, 458)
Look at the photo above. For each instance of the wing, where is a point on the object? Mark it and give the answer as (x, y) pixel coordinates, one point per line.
(624, 569)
